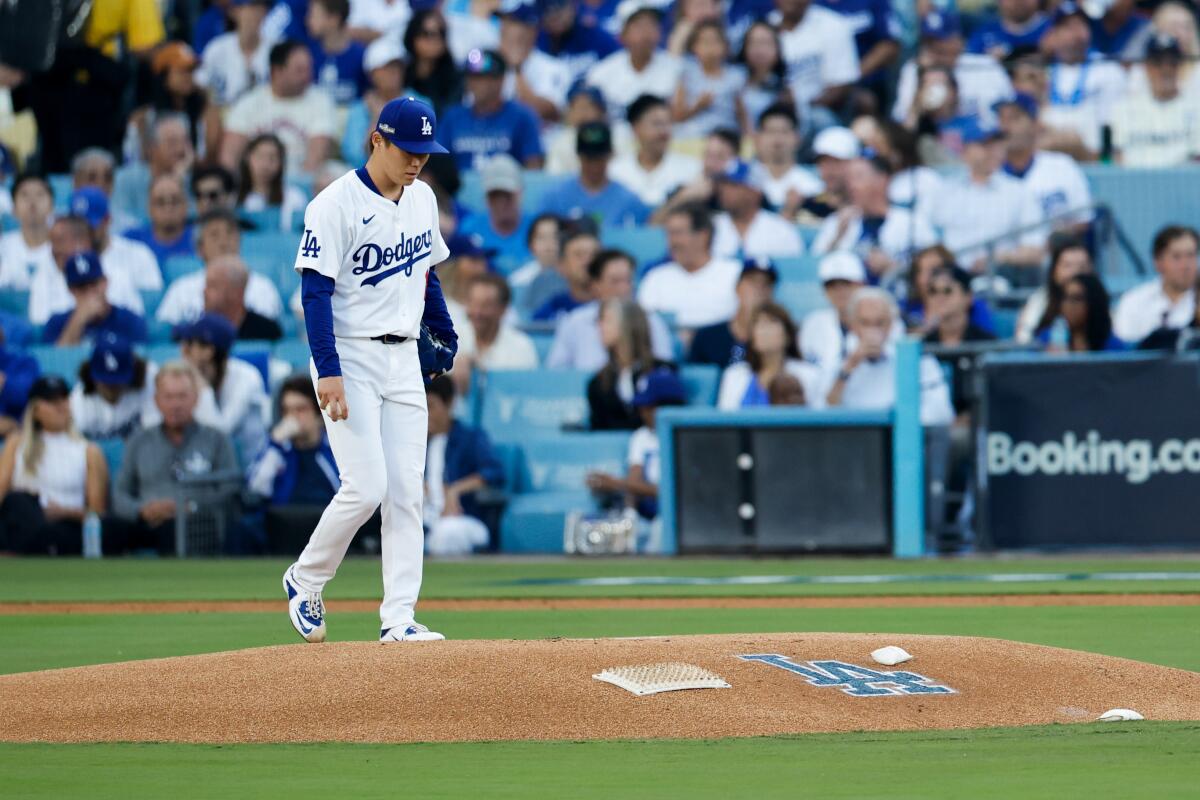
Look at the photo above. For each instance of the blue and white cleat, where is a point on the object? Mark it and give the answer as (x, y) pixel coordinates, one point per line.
(413, 632)
(306, 610)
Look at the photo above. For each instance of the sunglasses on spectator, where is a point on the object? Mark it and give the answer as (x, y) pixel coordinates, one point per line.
(1075, 297)
(212, 195)
(944, 291)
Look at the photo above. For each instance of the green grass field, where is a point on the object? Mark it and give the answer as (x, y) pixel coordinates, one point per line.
(1129, 760)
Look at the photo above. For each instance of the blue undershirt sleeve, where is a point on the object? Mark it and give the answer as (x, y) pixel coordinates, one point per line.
(316, 296)
(436, 316)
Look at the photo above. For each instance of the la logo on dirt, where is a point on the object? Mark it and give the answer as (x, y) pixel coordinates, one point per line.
(852, 679)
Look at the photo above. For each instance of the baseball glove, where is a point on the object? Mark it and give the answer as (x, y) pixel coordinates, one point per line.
(436, 356)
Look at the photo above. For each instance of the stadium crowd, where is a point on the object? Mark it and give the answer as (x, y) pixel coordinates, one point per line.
(780, 189)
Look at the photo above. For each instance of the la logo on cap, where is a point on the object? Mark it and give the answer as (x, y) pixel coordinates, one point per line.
(426, 128)
(110, 362)
(81, 265)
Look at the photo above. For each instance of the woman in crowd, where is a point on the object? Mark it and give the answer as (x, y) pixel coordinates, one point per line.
(913, 185)
(115, 393)
(766, 73)
(539, 279)
(1068, 257)
(261, 184)
(1187, 338)
(625, 333)
(934, 117)
(1085, 324)
(237, 387)
(915, 289)
(709, 92)
(687, 15)
(50, 477)
(431, 67)
(950, 299)
(771, 353)
(174, 90)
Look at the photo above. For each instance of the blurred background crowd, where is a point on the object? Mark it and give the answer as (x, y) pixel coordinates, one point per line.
(736, 203)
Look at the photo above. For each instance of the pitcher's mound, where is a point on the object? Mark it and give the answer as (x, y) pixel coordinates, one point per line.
(460, 690)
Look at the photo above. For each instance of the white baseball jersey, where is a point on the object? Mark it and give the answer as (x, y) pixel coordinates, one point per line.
(1059, 185)
(378, 253)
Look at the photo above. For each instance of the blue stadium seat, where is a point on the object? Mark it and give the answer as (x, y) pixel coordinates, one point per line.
(536, 185)
(162, 353)
(176, 267)
(279, 246)
(265, 220)
(8, 223)
(150, 300)
(294, 351)
(517, 404)
(257, 355)
(561, 462)
(542, 341)
(159, 332)
(113, 449)
(61, 186)
(61, 361)
(701, 382)
(647, 244)
(795, 270)
(533, 523)
(15, 301)
(510, 459)
(799, 298)
(1144, 200)
(808, 234)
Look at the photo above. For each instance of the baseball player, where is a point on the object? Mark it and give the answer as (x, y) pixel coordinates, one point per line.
(377, 328)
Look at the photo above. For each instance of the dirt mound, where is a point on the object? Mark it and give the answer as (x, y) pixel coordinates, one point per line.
(479, 690)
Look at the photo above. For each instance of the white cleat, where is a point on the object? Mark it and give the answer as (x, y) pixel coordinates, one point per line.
(306, 610)
(414, 632)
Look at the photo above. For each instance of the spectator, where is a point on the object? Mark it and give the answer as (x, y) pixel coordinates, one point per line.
(655, 172)
(1121, 32)
(337, 59)
(625, 334)
(785, 184)
(724, 343)
(168, 234)
(935, 118)
(577, 343)
(386, 71)
(876, 29)
(169, 151)
(472, 25)
(884, 235)
(640, 66)
(834, 148)
(157, 458)
(25, 252)
(133, 260)
(48, 292)
(659, 389)
(1083, 87)
(824, 335)
(489, 124)
(818, 47)
(114, 395)
(915, 290)
(950, 300)
(744, 229)
(1177, 20)
(262, 185)
(7, 170)
(572, 42)
(695, 286)
(17, 374)
(709, 93)
(1168, 301)
(584, 104)
(1018, 25)
(771, 352)
(459, 462)
(214, 188)
(766, 74)
(431, 68)
(1054, 178)
(913, 185)
(371, 20)
(539, 279)
(241, 396)
(1068, 257)
(1085, 320)
(94, 167)
(92, 315)
(218, 235)
(235, 62)
(593, 194)
(866, 376)
(1030, 75)
(494, 344)
(579, 248)
(50, 477)
(175, 91)
(225, 282)
(980, 79)
(534, 78)
(688, 14)
(504, 228)
(295, 474)
(1174, 338)
(720, 147)
(468, 260)
(289, 105)
(1160, 125)
(987, 215)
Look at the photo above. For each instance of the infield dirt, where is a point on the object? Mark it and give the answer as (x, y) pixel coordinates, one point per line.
(543, 689)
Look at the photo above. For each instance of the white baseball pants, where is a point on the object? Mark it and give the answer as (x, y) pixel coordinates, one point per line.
(380, 453)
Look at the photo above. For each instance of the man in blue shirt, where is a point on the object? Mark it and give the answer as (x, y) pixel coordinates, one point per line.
(876, 35)
(93, 314)
(1018, 25)
(1119, 33)
(490, 124)
(577, 45)
(17, 374)
(337, 59)
(168, 232)
(503, 228)
(592, 194)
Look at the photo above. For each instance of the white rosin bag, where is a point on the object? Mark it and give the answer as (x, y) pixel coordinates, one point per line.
(455, 536)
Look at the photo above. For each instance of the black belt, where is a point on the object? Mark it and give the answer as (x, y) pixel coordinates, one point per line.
(390, 338)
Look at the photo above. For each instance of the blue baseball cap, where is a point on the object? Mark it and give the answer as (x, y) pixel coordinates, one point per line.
(411, 125)
(1026, 102)
(763, 265)
(90, 203)
(83, 269)
(740, 172)
(211, 329)
(975, 132)
(470, 245)
(1066, 10)
(939, 25)
(112, 361)
(661, 387)
(521, 11)
(592, 92)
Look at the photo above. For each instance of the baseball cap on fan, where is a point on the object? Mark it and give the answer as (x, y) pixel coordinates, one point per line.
(842, 265)
(411, 125)
(83, 269)
(112, 361)
(837, 142)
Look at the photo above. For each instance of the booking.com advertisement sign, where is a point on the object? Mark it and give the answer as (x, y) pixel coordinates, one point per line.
(1094, 451)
